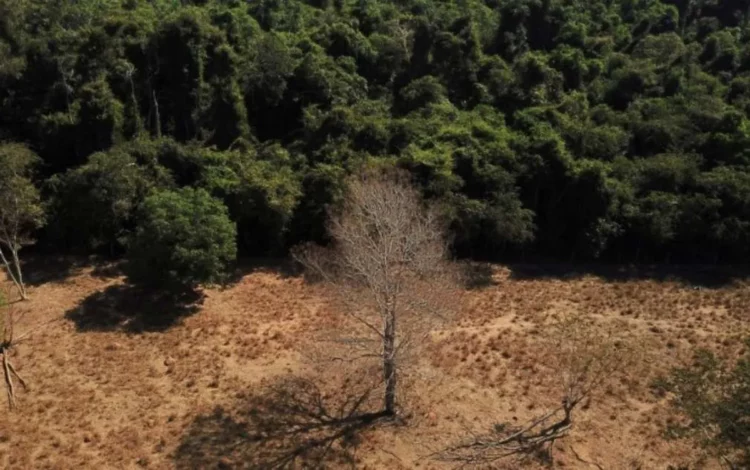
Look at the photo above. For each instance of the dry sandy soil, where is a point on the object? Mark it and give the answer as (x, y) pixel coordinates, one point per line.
(120, 379)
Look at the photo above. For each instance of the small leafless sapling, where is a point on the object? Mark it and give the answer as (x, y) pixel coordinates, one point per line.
(388, 268)
(582, 360)
(8, 341)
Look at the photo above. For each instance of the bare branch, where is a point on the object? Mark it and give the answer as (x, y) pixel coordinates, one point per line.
(8, 342)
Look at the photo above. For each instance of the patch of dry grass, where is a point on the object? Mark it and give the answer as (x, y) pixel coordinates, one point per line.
(118, 399)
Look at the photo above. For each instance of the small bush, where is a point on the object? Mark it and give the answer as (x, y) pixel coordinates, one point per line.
(183, 239)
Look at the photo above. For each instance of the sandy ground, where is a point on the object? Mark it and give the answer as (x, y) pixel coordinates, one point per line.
(116, 381)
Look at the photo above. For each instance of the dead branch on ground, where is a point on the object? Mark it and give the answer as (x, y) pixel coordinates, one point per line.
(583, 361)
(8, 342)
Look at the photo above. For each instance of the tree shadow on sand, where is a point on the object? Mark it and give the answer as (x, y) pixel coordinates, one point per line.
(290, 424)
(133, 309)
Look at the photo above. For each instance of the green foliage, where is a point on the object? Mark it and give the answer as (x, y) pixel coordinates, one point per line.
(93, 206)
(261, 191)
(183, 238)
(614, 129)
(714, 399)
(21, 211)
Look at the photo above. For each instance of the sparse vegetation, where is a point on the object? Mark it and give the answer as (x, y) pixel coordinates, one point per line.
(714, 399)
(490, 365)
(581, 361)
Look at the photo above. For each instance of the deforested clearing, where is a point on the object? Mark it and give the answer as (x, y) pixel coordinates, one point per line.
(111, 387)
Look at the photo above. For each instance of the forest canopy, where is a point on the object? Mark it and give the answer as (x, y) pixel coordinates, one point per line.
(574, 129)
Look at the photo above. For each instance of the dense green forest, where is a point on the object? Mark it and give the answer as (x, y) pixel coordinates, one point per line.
(571, 129)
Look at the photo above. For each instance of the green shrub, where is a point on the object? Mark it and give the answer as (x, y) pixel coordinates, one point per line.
(715, 399)
(94, 205)
(183, 239)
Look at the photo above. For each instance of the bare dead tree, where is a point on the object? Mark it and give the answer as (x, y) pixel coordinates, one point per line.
(583, 359)
(388, 267)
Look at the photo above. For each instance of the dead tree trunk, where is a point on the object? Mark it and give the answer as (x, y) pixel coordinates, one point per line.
(389, 364)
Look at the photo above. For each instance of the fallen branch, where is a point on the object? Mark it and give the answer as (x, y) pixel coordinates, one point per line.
(584, 360)
(523, 442)
(8, 341)
(581, 459)
(8, 380)
(20, 379)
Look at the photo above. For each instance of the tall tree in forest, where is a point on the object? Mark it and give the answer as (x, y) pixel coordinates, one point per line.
(21, 210)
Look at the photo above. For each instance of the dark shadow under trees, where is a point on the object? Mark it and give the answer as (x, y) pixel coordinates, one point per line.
(283, 267)
(43, 268)
(133, 309)
(697, 276)
(477, 275)
(291, 423)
